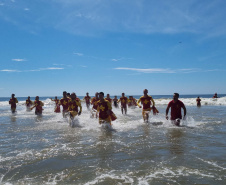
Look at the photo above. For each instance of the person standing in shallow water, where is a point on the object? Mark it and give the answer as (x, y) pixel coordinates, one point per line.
(176, 106)
(124, 102)
(38, 106)
(105, 110)
(13, 101)
(115, 100)
(198, 100)
(215, 95)
(57, 105)
(73, 105)
(28, 103)
(64, 102)
(87, 99)
(147, 101)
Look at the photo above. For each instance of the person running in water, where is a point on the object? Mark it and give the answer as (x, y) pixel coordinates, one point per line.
(105, 110)
(38, 106)
(13, 101)
(57, 104)
(108, 98)
(147, 101)
(115, 100)
(74, 103)
(176, 106)
(64, 102)
(28, 103)
(124, 101)
(87, 99)
(94, 103)
(198, 101)
(215, 95)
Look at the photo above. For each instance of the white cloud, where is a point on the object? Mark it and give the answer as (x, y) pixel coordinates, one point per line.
(9, 70)
(19, 60)
(78, 54)
(160, 70)
(26, 9)
(52, 68)
(153, 70)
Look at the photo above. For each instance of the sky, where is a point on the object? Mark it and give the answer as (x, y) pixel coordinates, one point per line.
(114, 46)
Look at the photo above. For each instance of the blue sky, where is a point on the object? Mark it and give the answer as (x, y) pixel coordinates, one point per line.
(112, 46)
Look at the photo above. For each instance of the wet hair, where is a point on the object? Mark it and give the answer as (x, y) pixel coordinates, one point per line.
(101, 93)
(65, 92)
(68, 94)
(177, 94)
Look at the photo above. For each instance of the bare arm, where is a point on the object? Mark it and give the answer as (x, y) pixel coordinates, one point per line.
(167, 111)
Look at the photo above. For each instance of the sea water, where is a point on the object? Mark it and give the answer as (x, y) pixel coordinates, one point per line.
(46, 150)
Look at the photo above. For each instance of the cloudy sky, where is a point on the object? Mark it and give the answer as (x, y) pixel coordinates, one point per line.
(113, 46)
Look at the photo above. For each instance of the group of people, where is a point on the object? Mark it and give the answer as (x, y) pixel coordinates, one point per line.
(198, 100)
(102, 107)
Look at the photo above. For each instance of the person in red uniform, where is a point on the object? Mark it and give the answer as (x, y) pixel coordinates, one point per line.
(73, 105)
(215, 95)
(108, 98)
(147, 101)
(130, 101)
(134, 102)
(198, 100)
(105, 110)
(94, 103)
(87, 99)
(64, 102)
(124, 102)
(13, 101)
(28, 103)
(176, 106)
(115, 100)
(38, 106)
(57, 105)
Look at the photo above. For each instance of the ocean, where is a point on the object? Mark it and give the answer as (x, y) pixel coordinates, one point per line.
(46, 150)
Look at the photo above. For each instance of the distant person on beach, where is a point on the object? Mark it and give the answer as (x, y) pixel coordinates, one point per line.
(176, 106)
(13, 101)
(64, 102)
(73, 105)
(115, 100)
(124, 102)
(57, 105)
(147, 101)
(28, 103)
(105, 110)
(108, 98)
(38, 106)
(215, 95)
(198, 100)
(87, 99)
(94, 103)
